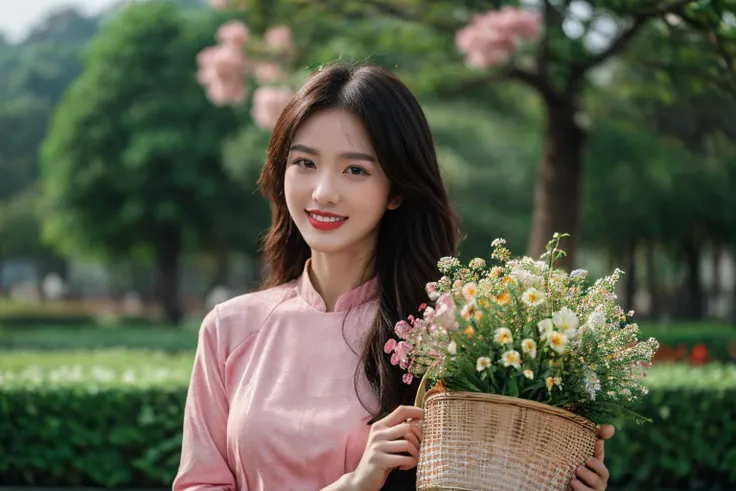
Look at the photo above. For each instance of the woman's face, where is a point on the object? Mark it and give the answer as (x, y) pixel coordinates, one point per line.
(335, 189)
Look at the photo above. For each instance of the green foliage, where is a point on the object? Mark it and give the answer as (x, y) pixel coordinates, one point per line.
(689, 445)
(115, 421)
(134, 147)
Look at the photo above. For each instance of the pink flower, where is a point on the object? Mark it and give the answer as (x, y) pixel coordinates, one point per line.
(407, 378)
(445, 311)
(402, 329)
(268, 72)
(403, 349)
(490, 38)
(221, 70)
(278, 38)
(233, 32)
(218, 4)
(268, 102)
(389, 346)
(394, 359)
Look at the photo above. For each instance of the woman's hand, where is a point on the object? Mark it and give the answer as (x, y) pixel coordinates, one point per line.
(393, 443)
(593, 476)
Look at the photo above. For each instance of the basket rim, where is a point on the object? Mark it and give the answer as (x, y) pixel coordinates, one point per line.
(585, 423)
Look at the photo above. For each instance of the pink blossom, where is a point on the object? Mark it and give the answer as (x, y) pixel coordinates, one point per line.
(268, 72)
(490, 38)
(403, 349)
(389, 346)
(218, 4)
(221, 69)
(402, 329)
(268, 102)
(445, 311)
(407, 378)
(233, 32)
(394, 358)
(278, 38)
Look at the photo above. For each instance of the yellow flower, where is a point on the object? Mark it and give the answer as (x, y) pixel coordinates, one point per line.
(529, 374)
(529, 346)
(557, 341)
(468, 311)
(503, 336)
(532, 297)
(508, 280)
(482, 363)
(469, 291)
(503, 299)
(511, 358)
(549, 382)
(469, 331)
(557, 381)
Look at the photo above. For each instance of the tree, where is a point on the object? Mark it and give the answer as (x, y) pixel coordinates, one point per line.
(132, 163)
(695, 36)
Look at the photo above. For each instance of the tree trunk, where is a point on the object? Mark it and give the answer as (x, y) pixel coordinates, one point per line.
(630, 278)
(558, 188)
(651, 274)
(693, 287)
(168, 252)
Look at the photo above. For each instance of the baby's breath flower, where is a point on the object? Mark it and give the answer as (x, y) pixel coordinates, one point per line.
(477, 264)
(447, 264)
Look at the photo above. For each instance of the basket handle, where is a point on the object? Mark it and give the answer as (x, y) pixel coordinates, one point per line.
(422, 390)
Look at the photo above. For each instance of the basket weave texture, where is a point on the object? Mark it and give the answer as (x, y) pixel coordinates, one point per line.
(485, 442)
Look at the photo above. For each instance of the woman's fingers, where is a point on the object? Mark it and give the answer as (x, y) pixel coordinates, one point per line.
(400, 415)
(399, 446)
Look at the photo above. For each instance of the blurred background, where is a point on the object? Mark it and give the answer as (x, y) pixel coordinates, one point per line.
(132, 134)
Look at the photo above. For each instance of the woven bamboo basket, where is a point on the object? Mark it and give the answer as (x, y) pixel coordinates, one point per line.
(487, 442)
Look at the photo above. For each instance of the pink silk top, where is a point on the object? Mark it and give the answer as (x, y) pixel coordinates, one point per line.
(272, 404)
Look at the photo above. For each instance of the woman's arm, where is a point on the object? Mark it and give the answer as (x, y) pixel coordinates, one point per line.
(203, 465)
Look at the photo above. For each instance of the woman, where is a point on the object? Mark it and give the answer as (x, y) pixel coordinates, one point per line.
(291, 389)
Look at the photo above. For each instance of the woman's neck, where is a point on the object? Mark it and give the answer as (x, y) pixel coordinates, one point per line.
(333, 275)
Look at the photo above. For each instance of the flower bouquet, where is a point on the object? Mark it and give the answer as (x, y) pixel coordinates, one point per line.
(525, 359)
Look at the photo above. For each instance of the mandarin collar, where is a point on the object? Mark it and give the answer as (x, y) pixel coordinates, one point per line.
(353, 298)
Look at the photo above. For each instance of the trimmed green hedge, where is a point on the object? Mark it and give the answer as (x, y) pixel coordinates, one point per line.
(114, 419)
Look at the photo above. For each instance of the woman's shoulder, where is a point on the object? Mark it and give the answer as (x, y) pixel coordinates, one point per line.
(233, 321)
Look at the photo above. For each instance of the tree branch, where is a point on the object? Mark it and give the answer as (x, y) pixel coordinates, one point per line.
(580, 68)
(552, 21)
(510, 74)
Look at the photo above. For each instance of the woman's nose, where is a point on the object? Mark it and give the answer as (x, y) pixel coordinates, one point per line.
(325, 191)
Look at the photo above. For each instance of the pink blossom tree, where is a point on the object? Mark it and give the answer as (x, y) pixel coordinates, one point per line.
(550, 46)
(239, 60)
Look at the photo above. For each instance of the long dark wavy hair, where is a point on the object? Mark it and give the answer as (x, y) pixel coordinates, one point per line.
(411, 239)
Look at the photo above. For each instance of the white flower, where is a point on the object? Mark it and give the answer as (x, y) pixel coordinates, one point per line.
(529, 374)
(452, 348)
(511, 358)
(565, 319)
(482, 363)
(557, 341)
(532, 297)
(596, 320)
(503, 336)
(529, 346)
(545, 327)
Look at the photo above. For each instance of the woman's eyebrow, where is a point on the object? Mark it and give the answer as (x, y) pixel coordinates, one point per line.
(346, 155)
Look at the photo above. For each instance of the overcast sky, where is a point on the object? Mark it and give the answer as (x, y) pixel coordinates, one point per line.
(18, 16)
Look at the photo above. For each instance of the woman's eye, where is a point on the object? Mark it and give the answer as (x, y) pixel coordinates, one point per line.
(305, 163)
(357, 171)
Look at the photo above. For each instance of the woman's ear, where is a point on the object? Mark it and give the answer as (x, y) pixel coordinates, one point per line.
(394, 203)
